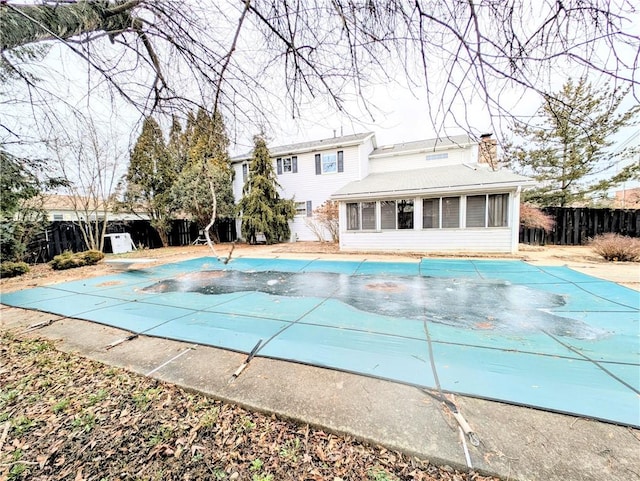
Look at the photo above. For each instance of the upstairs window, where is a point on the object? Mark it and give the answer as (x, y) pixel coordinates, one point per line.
(329, 162)
(287, 165)
(439, 156)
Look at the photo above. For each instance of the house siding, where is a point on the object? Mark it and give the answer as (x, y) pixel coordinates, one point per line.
(306, 185)
(463, 239)
(429, 240)
(418, 160)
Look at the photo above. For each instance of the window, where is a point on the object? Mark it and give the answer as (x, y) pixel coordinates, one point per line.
(58, 216)
(368, 215)
(450, 212)
(361, 215)
(353, 216)
(245, 172)
(444, 155)
(330, 162)
(498, 210)
(430, 213)
(405, 214)
(476, 210)
(304, 208)
(388, 214)
(488, 210)
(287, 165)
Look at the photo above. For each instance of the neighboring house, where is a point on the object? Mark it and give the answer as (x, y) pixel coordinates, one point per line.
(627, 199)
(434, 195)
(69, 208)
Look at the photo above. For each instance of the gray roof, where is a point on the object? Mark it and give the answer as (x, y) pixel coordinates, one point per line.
(423, 145)
(332, 142)
(448, 178)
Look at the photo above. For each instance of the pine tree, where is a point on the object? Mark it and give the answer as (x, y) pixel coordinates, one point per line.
(569, 151)
(262, 210)
(150, 176)
(207, 171)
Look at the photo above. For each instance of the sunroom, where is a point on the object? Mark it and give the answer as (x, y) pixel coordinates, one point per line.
(441, 209)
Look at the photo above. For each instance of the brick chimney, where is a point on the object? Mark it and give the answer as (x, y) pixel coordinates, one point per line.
(488, 151)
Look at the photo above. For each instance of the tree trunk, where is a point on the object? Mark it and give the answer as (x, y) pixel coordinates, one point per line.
(24, 24)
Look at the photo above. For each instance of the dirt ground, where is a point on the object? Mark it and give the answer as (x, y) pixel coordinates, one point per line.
(579, 258)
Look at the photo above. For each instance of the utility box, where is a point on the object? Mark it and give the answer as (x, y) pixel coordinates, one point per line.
(119, 243)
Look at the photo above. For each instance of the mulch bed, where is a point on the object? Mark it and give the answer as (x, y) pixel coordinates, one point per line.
(64, 417)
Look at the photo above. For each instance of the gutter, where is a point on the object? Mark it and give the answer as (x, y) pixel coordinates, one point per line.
(317, 148)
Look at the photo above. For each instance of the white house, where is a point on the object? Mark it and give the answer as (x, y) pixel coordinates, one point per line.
(434, 195)
(310, 172)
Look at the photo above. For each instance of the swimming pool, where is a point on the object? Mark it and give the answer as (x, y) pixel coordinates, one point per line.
(545, 337)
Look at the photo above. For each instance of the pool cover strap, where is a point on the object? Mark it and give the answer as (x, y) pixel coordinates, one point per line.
(540, 336)
(247, 361)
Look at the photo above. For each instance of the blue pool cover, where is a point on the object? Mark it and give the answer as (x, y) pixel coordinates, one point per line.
(545, 337)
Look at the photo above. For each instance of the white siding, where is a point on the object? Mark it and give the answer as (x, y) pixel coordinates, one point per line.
(493, 239)
(305, 185)
(418, 160)
(364, 150)
(429, 240)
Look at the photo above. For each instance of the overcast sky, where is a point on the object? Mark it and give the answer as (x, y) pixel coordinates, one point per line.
(395, 113)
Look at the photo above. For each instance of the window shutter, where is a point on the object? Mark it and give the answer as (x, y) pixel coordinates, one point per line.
(279, 165)
(309, 209)
(318, 166)
(294, 162)
(340, 161)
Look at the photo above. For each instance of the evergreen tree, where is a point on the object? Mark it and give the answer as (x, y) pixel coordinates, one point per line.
(177, 145)
(150, 176)
(19, 187)
(207, 172)
(569, 151)
(261, 208)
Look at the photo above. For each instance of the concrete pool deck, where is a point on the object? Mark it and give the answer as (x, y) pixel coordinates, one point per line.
(516, 442)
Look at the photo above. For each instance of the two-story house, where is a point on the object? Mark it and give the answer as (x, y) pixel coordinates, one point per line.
(434, 195)
(310, 172)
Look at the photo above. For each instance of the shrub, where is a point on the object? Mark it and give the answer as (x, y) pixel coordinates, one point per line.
(13, 269)
(92, 257)
(616, 247)
(534, 218)
(69, 260)
(325, 219)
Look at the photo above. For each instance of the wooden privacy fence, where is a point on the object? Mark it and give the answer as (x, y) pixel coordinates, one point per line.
(577, 225)
(66, 236)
